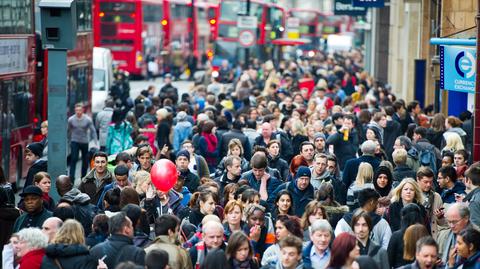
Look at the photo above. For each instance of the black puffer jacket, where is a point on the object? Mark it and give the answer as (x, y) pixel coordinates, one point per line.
(69, 256)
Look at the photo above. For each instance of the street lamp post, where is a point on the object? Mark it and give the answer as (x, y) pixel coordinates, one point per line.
(247, 50)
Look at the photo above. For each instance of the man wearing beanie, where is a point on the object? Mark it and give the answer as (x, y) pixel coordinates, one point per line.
(182, 161)
(319, 142)
(301, 190)
(33, 153)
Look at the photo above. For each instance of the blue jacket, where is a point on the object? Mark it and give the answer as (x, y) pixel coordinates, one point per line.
(186, 196)
(272, 184)
(102, 196)
(471, 263)
(181, 132)
(448, 195)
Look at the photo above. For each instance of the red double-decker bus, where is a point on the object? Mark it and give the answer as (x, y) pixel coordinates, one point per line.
(162, 30)
(271, 25)
(310, 28)
(130, 29)
(17, 84)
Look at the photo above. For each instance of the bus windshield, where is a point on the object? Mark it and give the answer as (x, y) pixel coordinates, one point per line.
(306, 17)
(229, 10)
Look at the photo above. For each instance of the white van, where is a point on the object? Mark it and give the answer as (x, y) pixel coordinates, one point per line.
(102, 78)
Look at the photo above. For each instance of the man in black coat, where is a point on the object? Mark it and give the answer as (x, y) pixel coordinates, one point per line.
(119, 246)
(233, 170)
(351, 166)
(33, 153)
(168, 90)
(182, 161)
(301, 190)
(345, 142)
(235, 132)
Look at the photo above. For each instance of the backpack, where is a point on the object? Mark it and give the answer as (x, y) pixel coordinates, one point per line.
(427, 158)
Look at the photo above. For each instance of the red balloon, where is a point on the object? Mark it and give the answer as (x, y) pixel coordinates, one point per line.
(164, 174)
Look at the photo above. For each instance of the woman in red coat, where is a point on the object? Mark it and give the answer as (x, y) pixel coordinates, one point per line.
(31, 248)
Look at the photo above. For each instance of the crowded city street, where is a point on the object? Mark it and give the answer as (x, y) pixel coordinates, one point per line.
(239, 134)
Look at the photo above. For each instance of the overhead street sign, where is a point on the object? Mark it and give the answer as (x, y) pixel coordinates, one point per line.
(248, 22)
(246, 38)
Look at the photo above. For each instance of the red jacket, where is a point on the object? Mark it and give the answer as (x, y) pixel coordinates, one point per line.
(32, 260)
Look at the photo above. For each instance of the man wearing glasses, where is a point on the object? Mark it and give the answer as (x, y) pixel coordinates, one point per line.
(458, 218)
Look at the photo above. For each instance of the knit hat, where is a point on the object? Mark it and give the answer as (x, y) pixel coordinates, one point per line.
(36, 148)
(303, 171)
(319, 135)
(183, 153)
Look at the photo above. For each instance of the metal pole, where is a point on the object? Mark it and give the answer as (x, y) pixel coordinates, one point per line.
(57, 116)
(247, 50)
(476, 116)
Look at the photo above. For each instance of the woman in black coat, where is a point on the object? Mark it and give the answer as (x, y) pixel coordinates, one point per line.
(405, 193)
(68, 250)
(410, 214)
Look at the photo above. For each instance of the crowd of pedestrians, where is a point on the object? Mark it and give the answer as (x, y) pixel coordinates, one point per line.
(272, 173)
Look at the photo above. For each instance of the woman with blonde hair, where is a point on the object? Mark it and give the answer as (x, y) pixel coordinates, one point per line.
(299, 135)
(408, 191)
(362, 181)
(453, 142)
(68, 249)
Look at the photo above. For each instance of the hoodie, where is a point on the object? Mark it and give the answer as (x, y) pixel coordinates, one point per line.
(83, 211)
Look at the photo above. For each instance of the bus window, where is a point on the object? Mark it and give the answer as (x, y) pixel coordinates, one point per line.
(117, 7)
(21, 101)
(15, 17)
(152, 13)
(84, 15)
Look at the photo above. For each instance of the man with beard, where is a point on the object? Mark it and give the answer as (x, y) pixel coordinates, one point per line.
(301, 190)
(232, 172)
(319, 142)
(34, 214)
(182, 161)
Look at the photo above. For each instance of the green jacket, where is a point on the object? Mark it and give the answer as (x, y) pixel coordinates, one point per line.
(27, 220)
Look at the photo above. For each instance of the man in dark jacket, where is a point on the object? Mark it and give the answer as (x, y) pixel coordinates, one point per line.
(33, 153)
(119, 246)
(34, 214)
(394, 130)
(83, 210)
(259, 179)
(286, 151)
(447, 180)
(168, 90)
(232, 173)
(301, 190)
(401, 170)
(96, 180)
(235, 132)
(421, 143)
(345, 142)
(182, 161)
(351, 166)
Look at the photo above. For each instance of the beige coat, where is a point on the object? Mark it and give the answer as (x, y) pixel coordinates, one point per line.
(437, 224)
(177, 256)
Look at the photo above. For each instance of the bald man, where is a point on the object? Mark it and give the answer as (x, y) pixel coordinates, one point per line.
(50, 227)
(64, 185)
